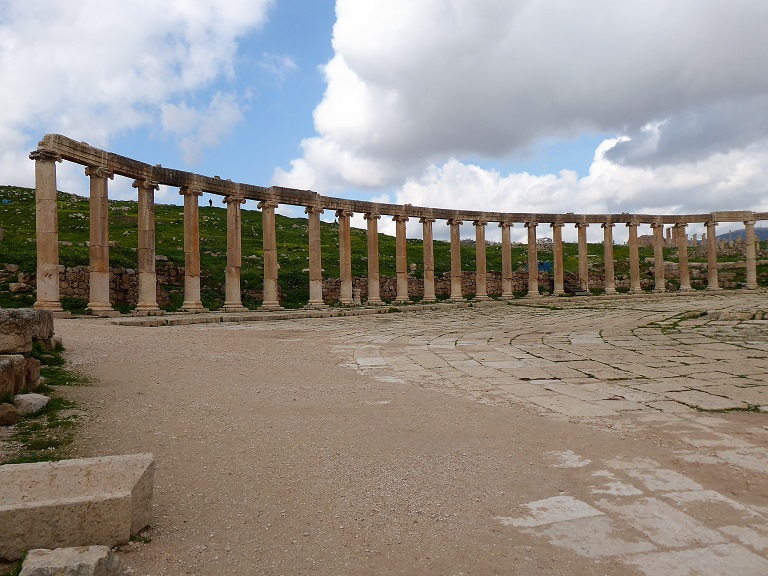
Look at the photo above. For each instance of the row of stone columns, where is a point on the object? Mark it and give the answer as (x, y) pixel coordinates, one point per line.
(99, 301)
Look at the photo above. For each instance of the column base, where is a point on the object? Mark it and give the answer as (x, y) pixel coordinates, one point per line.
(533, 295)
(557, 293)
(635, 290)
(233, 307)
(685, 289)
(714, 288)
(316, 306)
(507, 296)
(375, 302)
(401, 301)
(193, 308)
(270, 306)
(610, 291)
(659, 290)
(429, 300)
(750, 286)
(456, 299)
(153, 312)
(482, 297)
(52, 306)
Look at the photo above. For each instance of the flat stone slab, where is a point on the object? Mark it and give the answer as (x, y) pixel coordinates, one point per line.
(78, 561)
(30, 403)
(705, 401)
(79, 502)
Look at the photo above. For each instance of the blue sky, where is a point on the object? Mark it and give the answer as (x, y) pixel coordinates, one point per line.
(512, 105)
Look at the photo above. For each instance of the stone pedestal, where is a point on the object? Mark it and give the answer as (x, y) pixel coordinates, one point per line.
(481, 291)
(374, 295)
(456, 274)
(147, 277)
(506, 261)
(429, 260)
(47, 230)
(98, 300)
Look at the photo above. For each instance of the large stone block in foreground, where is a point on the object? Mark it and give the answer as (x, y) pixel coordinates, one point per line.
(20, 326)
(80, 502)
(79, 561)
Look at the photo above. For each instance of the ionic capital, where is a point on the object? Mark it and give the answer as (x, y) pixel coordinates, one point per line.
(43, 155)
(425, 220)
(479, 223)
(371, 216)
(190, 191)
(344, 213)
(581, 225)
(749, 222)
(531, 224)
(681, 225)
(557, 225)
(655, 225)
(400, 218)
(233, 199)
(266, 204)
(607, 225)
(99, 172)
(145, 184)
(710, 224)
(506, 225)
(454, 222)
(313, 210)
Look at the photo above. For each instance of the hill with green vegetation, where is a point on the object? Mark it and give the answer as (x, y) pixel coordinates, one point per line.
(17, 218)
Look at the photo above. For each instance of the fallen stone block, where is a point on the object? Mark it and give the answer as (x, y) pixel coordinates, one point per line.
(79, 561)
(9, 415)
(32, 375)
(30, 403)
(80, 502)
(20, 326)
(13, 373)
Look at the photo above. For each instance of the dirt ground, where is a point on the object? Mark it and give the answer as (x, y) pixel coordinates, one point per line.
(412, 444)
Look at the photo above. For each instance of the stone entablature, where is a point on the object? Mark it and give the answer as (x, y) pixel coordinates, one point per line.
(100, 166)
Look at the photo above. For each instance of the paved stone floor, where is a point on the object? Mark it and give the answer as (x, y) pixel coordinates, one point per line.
(659, 367)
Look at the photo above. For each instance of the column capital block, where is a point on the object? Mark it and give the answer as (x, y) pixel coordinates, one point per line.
(145, 184)
(607, 225)
(190, 191)
(454, 222)
(233, 199)
(630, 224)
(425, 220)
(531, 224)
(581, 225)
(479, 222)
(43, 155)
(749, 222)
(557, 224)
(400, 218)
(371, 216)
(344, 213)
(313, 210)
(267, 204)
(681, 225)
(655, 225)
(506, 225)
(99, 172)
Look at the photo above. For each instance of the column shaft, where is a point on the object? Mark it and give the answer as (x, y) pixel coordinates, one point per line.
(192, 301)
(233, 300)
(751, 255)
(147, 278)
(506, 261)
(456, 275)
(712, 279)
(557, 258)
(533, 262)
(429, 260)
(583, 256)
(401, 259)
(315, 258)
(481, 278)
(345, 257)
(98, 300)
(658, 257)
(610, 275)
(47, 230)
(634, 259)
(374, 294)
(684, 271)
(270, 301)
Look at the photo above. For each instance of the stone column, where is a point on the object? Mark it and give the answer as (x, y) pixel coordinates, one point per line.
(557, 258)
(533, 262)
(682, 256)
(47, 229)
(610, 276)
(456, 275)
(658, 257)
(345, 257)
(401, 259)
(98, 299)
(270, 301)
(192, 301)
(634, 259)
(751, 254)
(374, 295)
(583, 256)
(506, 261)
(481, 285)
(712, 279)
(147, 277)
(233, 301)
(429, 260)
(315, 255)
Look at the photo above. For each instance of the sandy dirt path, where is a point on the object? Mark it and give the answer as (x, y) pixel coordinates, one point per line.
(273, 458)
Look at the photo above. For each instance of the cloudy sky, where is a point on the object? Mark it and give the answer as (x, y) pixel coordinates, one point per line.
(512, 105)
